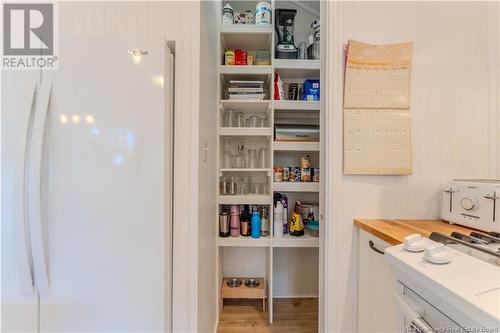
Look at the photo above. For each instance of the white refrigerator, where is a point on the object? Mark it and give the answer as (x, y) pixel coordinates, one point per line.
(87, 189)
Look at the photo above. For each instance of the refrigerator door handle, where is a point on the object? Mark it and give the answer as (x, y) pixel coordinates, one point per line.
(35, 212)
(26, 229)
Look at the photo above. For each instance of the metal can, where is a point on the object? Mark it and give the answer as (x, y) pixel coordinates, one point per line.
(294, 174)
(229, 57)
(315, 176)
(263, 13)
(278, 174)
(305, 161)
(305, 174)
(286, 174)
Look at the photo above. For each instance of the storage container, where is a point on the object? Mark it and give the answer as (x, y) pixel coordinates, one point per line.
(298, 133)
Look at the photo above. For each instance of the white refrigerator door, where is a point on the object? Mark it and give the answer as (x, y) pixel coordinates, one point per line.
(104, 177)
(19, 302)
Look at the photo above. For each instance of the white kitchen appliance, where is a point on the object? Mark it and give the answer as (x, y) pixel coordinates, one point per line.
(459, 295)
(87, 188)
(473, 203)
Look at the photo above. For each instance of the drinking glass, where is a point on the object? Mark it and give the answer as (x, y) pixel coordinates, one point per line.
(228, 160)
(252, 158)
(254, 121)
(229, 120)
(239, 122)
(262, 158)
(262, 122)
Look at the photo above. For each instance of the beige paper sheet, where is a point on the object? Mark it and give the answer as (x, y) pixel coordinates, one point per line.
(377, 136)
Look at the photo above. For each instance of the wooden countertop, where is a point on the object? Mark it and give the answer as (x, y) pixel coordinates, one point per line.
(394, 231)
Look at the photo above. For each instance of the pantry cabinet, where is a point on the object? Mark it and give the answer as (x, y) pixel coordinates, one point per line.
(377, 311)
(248, 153)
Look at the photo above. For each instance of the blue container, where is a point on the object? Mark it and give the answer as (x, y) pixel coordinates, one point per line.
(255, 222)
(311, 90)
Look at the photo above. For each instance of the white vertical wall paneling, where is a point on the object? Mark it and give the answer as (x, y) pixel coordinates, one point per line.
(207, 237)
(455, 132)
(177, 20)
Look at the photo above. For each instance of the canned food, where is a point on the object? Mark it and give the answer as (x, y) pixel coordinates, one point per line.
(315, 176)
(286, 174)
(278, 174)
(305, 174)
(294, 174)
(229, 57)
(305, 161)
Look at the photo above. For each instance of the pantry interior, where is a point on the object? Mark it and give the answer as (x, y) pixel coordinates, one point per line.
(268, 154)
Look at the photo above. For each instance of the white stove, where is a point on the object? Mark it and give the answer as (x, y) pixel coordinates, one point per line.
(461, 294)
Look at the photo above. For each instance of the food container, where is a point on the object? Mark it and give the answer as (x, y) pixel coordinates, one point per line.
(294, 174)
(311, 90)
(286, 174)
(229, 57)
(315, 175)
(263, 58)
(306, 212)
(278, 174)
(305, 174)
(240, 57)
(227, 15)
(312, 228)
(251, 57)
(263, 13)
(296, 133)
(244, 17)
(305, 161)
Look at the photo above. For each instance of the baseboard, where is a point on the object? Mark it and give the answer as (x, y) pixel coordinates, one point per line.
(216, 326)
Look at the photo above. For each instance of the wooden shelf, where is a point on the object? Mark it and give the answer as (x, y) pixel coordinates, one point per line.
(296, 187)
(244, 241)
(296, 105)
(268, 170)
(295, 146)
(246, 37)
(245, 131)
(293, 241)
(249, 199)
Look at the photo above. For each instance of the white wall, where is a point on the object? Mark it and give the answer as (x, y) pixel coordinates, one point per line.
(179, 21)
(207, 236)
(455, 123)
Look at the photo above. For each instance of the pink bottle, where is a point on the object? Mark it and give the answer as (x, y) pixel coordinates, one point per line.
(234, 222)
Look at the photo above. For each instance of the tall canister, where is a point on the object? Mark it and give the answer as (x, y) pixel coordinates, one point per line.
(263, 13)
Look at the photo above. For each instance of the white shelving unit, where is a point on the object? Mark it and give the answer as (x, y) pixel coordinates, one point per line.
(243, 241)
(249, 199)
(239, 131)
(296, 105)
(300, 241)
(295, 146)
(254, 37)
(295, 187)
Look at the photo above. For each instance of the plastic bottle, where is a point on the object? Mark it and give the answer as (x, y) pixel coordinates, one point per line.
(256, 225)
(265, 223)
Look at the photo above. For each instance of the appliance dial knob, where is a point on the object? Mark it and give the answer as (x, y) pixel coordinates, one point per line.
(469, 204)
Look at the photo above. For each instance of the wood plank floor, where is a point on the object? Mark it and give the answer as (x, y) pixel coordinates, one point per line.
(290, 316)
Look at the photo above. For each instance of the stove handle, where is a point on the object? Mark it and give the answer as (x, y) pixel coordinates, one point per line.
(372, 246)
(413, 314)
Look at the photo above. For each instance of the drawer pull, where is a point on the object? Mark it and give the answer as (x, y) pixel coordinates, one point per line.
(372, 246)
